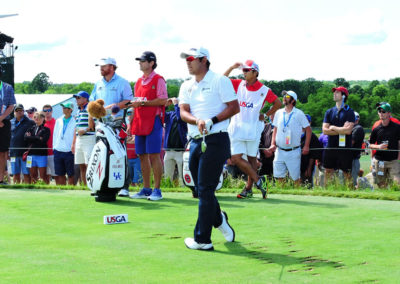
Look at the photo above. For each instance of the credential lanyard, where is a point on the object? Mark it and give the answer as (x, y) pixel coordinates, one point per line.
(2, 97)
(285, 124)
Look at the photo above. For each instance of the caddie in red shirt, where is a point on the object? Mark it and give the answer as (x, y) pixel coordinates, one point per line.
(246, 127)
(147, 124)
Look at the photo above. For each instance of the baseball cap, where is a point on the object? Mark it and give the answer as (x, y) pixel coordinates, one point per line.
(341, 89)
(106, 61)
(385, 106)
(290, 93)
(357, 115)
(196, 53)
(31, 110)
(68, 105)
(147, 56)
(82, 94)
(250, 64)
(19, 106)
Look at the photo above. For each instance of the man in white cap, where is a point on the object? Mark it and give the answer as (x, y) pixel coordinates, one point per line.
(207, 101)
(289, 123)
(246, 127)
(357, 139)
(114, 90)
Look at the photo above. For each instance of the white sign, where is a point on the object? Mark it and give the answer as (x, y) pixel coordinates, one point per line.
(115, 219)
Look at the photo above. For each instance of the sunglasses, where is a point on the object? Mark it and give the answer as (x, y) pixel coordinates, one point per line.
(245, 70)
(192, 58)
(381, 111)
(19, 110)
(48, 110)
(287, 96)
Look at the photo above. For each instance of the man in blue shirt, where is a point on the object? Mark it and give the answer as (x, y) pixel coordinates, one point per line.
(7, 102)
(338, 124)
(114, 90)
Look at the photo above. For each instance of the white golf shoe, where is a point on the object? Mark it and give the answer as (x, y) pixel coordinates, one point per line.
(192, 244)
(123, 193)
(226, 229)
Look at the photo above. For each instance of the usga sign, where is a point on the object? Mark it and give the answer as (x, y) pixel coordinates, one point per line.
(115, 219)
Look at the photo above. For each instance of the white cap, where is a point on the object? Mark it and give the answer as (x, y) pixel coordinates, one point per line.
(106, 61)
(357, 115)
(290, 93)
(196, 53)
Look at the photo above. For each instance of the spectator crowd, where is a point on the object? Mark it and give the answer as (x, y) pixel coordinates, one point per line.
(269, 137)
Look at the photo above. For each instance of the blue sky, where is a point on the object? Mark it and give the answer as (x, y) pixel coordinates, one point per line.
(288, 39)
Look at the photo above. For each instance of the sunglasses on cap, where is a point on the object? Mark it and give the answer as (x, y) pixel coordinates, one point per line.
(192, 58)
(245, 70)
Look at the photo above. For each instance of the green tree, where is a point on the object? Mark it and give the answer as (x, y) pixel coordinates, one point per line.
(372, 85)
(341, 82)
(380, 91)
(358, 90)
(40, 83)
(307, 87)
(394, 83)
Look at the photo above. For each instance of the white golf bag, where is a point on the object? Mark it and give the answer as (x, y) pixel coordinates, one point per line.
(107, 170)
(187, 175)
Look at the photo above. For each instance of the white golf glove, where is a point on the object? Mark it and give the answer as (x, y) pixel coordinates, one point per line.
(208, 125)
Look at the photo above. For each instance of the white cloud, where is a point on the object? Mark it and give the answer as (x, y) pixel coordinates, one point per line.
(289, 39)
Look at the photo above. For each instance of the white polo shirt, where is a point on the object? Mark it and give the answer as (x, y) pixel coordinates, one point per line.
(206, 99)
(294, 121)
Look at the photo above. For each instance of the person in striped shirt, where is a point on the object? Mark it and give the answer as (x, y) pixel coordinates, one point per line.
(84, 139)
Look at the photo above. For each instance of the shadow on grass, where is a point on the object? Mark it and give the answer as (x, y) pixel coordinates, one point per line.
(258, 199)
(305, 203)
(259, 253)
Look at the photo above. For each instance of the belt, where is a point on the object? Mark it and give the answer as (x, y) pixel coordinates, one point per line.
(201, 136)
(289, 149)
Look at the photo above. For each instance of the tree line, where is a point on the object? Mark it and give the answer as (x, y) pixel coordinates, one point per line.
(314, 97)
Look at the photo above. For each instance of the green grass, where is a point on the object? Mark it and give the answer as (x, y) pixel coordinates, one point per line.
(58, 236)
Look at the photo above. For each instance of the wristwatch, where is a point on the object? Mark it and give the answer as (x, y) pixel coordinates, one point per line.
(142, 103)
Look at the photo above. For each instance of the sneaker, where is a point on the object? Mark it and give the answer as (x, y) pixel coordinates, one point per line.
(92, 194)
(142, 194)
(155, 195)
(263, 186)
(3, 183)
(123, 193)
(245, 194)
(192, 244)
(226, 229)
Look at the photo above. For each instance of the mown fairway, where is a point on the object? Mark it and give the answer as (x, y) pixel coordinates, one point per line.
(58, 236)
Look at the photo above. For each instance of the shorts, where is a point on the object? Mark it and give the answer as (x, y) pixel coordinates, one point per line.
(338, 159)
(36, 161)
(18, 166)
(385, 170)
(64, 163)
(287, 161)
(249, 148)
(83, 148)
(150, 144)
(5, 134)
(50, 166)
